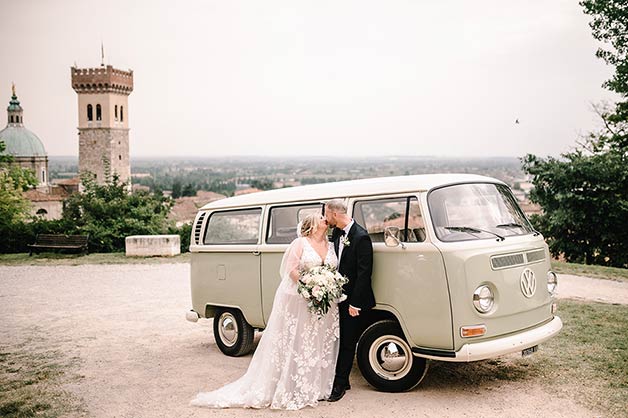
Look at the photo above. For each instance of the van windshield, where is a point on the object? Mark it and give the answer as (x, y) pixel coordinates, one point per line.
(476, 211)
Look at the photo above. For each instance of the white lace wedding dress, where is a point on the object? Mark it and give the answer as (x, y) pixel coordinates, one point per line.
(294, 363)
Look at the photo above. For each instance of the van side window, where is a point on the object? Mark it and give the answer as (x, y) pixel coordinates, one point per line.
(403, 212)
(283, 220)
(233, 227)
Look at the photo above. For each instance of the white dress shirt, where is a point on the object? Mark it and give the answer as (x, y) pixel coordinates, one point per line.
(341, 246)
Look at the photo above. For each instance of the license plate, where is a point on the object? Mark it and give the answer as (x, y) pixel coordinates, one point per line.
(529, 351)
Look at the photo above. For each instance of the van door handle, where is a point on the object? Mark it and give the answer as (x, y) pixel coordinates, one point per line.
(257, 252)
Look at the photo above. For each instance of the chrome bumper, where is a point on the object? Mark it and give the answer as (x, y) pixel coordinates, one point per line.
(506, 345)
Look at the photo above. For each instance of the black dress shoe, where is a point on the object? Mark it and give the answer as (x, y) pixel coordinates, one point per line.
(336, 394)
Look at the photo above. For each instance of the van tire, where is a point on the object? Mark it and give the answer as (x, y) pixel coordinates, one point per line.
(233, 335)
(386, 371)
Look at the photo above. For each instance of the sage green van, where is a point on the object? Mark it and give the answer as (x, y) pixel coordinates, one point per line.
(459, 273)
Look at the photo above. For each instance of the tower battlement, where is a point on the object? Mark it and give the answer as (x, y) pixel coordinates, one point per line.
(102, 80)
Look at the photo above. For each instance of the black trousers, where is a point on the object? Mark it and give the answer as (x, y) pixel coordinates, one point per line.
(349, 334)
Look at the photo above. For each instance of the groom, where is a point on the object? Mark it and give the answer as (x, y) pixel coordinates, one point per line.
(355, 261)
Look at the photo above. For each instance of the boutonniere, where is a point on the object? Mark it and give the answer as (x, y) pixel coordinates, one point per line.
(345, 241)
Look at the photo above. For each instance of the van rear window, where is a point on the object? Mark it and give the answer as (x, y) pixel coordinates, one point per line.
(283, 220)
(233, 227)
(402, 212)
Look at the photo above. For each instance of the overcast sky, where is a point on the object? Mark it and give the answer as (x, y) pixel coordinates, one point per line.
(297, 77)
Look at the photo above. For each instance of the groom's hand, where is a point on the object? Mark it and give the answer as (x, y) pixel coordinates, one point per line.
(353, 311)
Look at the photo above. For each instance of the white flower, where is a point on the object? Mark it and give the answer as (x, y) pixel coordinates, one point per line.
(321, 286)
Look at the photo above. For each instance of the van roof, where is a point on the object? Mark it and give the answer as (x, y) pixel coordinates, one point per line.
(349, 188)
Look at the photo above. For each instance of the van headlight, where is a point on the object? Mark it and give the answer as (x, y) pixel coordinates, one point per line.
(483, 299)
(552, 282)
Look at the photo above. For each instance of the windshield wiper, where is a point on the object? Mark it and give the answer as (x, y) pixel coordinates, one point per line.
(509, 225)
(472, 230)
(516, 225)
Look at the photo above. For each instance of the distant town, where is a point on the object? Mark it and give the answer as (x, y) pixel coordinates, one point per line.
(193, 182)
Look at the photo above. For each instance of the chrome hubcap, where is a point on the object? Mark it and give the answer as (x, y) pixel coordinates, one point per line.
(390, 357)
(228, 329)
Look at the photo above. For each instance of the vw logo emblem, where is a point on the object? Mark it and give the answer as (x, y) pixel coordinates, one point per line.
(528, 283)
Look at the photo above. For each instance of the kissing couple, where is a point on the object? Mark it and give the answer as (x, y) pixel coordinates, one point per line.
(303, 358)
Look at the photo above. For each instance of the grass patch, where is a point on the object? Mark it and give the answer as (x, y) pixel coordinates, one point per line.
(61, 259)
(587, 361)
(599, 272)
(589, 358)
(30, 383)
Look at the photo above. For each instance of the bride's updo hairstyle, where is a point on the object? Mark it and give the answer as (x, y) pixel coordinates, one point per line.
(309, 224)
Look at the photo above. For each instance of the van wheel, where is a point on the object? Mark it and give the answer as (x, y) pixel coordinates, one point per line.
(234, 336)
(386, 360)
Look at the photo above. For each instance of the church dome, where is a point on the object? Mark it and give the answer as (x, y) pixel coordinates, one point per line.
(19, 141)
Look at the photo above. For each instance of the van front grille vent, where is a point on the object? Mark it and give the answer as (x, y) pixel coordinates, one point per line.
(198, 227)
(536, 255)
(509, 260)
(517, 259)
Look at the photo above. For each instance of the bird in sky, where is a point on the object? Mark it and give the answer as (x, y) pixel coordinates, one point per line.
(517, 121)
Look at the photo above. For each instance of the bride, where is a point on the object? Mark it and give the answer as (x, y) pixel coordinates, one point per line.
(294, 363)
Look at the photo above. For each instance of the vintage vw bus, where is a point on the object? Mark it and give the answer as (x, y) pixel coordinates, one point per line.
(459, 273)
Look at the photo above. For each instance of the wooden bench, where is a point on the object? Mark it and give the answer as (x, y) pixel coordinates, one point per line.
(59, 242)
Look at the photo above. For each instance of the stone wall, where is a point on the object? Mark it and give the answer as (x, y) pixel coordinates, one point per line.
(152, 245)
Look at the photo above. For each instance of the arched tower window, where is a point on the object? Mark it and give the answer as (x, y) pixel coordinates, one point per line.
(11, 118)
(116, 111)
(121, 113)
(98, 112)
(90, 113)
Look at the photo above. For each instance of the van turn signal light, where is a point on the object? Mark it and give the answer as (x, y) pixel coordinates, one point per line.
(473, 331)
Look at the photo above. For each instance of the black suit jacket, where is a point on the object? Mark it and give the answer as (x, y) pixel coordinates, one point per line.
(357, 265)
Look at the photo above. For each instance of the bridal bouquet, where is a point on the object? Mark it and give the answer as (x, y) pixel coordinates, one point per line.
(321, 286)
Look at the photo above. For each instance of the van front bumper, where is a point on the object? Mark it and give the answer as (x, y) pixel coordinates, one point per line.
(498, 347)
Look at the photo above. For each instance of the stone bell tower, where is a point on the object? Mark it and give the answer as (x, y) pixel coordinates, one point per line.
(103, 116)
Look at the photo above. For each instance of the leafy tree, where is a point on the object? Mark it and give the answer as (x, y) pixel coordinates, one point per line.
(584, 197)
(189, 190)
(176, 189)
(610, 26)
(584, 194)
(109, 213)
(262, 184)
(14, 180)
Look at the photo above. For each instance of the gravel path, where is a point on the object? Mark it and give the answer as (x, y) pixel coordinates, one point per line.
(138, 357)
(586, 288)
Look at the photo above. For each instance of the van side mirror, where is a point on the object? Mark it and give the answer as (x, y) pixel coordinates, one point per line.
(391, 237)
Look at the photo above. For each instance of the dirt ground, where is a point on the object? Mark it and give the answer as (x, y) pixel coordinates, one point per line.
(137, 356)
